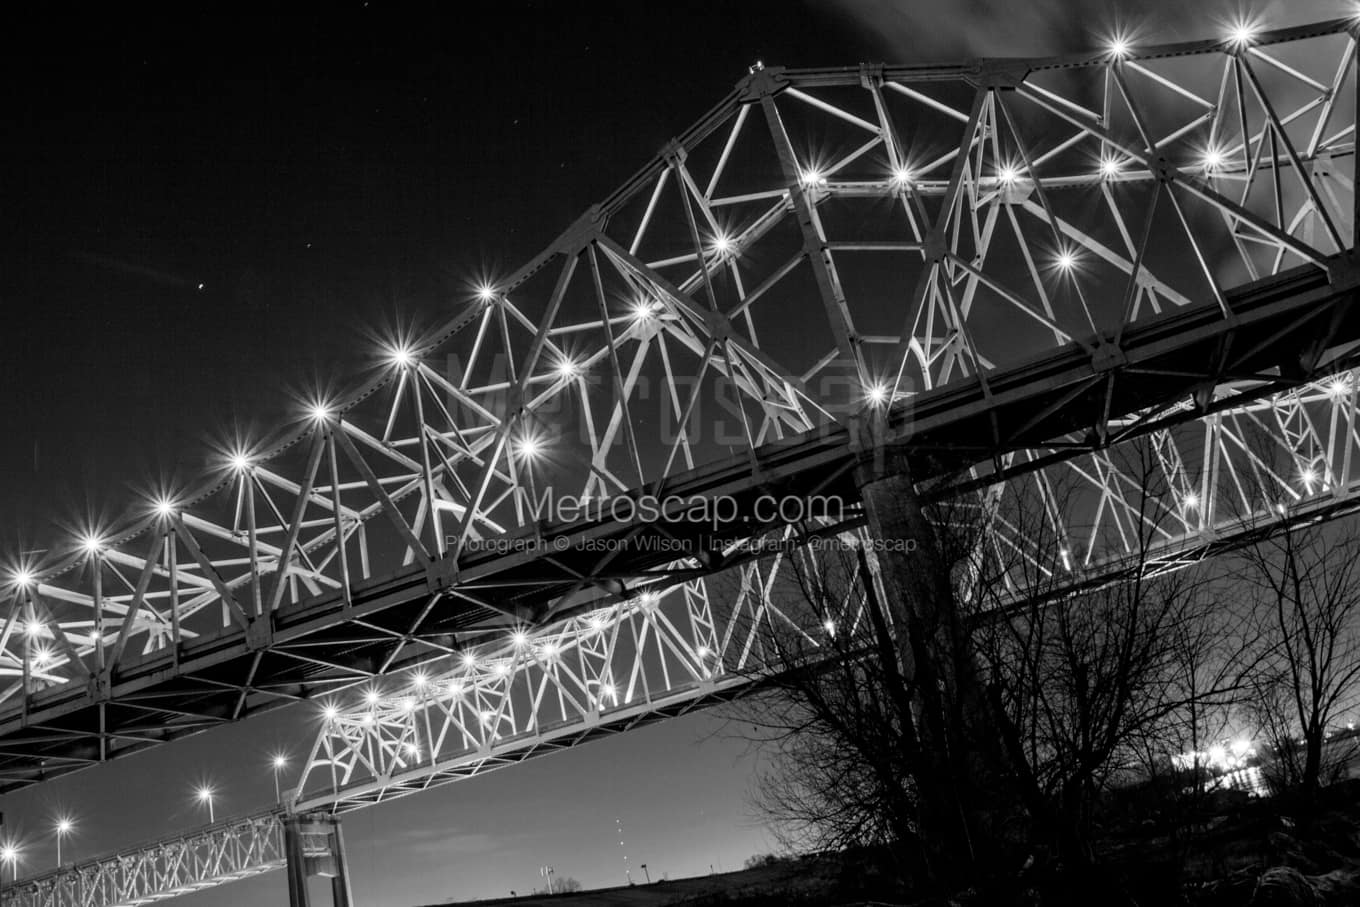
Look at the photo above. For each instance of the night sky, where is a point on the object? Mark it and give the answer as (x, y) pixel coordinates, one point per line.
(199, 213)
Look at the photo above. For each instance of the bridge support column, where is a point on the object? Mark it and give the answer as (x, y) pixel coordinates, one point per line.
(963, 764)
(341, 894)
(315, 846)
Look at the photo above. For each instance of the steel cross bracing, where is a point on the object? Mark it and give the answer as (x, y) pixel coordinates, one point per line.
(220, 853)
(1024, 260)
(670, 650)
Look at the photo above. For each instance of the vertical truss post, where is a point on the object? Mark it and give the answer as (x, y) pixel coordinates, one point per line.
(814, 243)
(342, 557)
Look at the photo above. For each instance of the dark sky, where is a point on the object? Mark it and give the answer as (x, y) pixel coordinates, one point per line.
(199, 212)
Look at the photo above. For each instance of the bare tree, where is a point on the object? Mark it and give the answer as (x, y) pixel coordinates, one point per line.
(979, 728)
(836, 721)
(1099, 679)
(1305, 582)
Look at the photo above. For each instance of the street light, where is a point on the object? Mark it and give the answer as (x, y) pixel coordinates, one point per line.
(279, 761)
(64, 827)
(9, 853)
(205, 795)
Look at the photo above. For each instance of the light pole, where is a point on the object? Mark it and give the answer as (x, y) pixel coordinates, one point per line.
(279, 761)
(205, 795)
(9, 854)
(64, 827)
(547, 873)
(648, 874)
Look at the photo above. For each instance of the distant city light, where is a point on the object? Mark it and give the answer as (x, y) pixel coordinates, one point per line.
(1223, 757)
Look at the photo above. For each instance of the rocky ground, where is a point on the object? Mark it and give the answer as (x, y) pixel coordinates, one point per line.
(1233, 851)
(1243, 853)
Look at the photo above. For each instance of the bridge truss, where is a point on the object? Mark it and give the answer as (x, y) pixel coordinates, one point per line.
(1017, 267)
(165, 869)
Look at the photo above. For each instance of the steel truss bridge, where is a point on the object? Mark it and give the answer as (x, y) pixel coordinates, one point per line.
(1017, 268)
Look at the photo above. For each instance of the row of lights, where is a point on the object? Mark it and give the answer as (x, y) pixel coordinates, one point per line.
(1241, 35)
(1212, 158)
(421, 682)
(11, 849)
(63, 825)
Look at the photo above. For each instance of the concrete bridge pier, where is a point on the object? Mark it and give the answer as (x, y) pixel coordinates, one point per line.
(314, 846)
